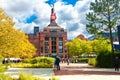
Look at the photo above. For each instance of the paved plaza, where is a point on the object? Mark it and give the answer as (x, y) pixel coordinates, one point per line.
(70, 72)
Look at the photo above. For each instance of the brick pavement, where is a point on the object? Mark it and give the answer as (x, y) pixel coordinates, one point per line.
(74, 69)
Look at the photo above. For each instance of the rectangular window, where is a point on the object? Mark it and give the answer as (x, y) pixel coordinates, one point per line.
(60, 43)
(62, 31)
(60, 50)
(53, 51)
(41, 48)
(46, 38)
(46, 49)
(45, 30)
(53, 48)
(53, 43)
(60, 47)
(46, 43)
(53, 30)
(53, 38)
(60, 38)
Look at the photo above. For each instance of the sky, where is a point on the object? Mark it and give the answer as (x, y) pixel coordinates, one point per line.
(71, 14)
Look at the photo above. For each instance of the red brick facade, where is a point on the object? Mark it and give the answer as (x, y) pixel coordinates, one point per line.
(82, 37)
(51, 40)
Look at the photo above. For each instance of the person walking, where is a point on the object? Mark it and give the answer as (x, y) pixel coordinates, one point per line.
(55, 66)
(57, 62)
(68, 61)
(116, 63)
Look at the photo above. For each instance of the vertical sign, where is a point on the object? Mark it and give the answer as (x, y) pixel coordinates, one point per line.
(118, 31)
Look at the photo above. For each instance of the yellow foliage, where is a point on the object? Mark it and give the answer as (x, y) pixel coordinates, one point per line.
(13, 43)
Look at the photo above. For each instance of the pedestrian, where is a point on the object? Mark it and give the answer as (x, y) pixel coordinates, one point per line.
(3, 62)
(57, 62)
(116, 63)
(68, 61)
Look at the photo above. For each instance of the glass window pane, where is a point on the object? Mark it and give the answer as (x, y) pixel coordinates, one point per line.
(61, 30)
(60, 38)
(60, 43)
(53, 38)
(46, 38)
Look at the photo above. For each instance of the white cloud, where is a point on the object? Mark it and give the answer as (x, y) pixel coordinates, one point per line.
(69, 17)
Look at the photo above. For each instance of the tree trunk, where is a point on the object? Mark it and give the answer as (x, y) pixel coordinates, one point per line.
(111, 40)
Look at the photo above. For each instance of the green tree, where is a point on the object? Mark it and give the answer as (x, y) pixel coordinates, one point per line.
(13, 43)
(100, 46)
(77, 47)
(103, 17)
(69, 47)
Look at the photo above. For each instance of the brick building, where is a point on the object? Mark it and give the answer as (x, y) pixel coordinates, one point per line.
(82, 37)
(51, 40)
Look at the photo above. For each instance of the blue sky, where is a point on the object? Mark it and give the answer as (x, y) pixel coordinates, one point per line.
(27, 14)
(31, 18)
(50, 2)
(67, 2)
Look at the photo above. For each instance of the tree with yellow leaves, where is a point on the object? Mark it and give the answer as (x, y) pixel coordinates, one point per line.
(13, 43)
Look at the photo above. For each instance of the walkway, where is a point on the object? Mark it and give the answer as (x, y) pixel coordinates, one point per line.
(76, 68)
(86, 72)
(71, 72)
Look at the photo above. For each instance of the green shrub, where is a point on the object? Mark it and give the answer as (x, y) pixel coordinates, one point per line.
(28, 60)
(105, 60)
(1, 58)
(29, 65)
(92, 61)
(23, 76)
(54, 78)
(3, 67)
(5, 77)
(39, 60)
(117, 53)
(82, 60)
(45, 59)
(33, 61)
(42, 65)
